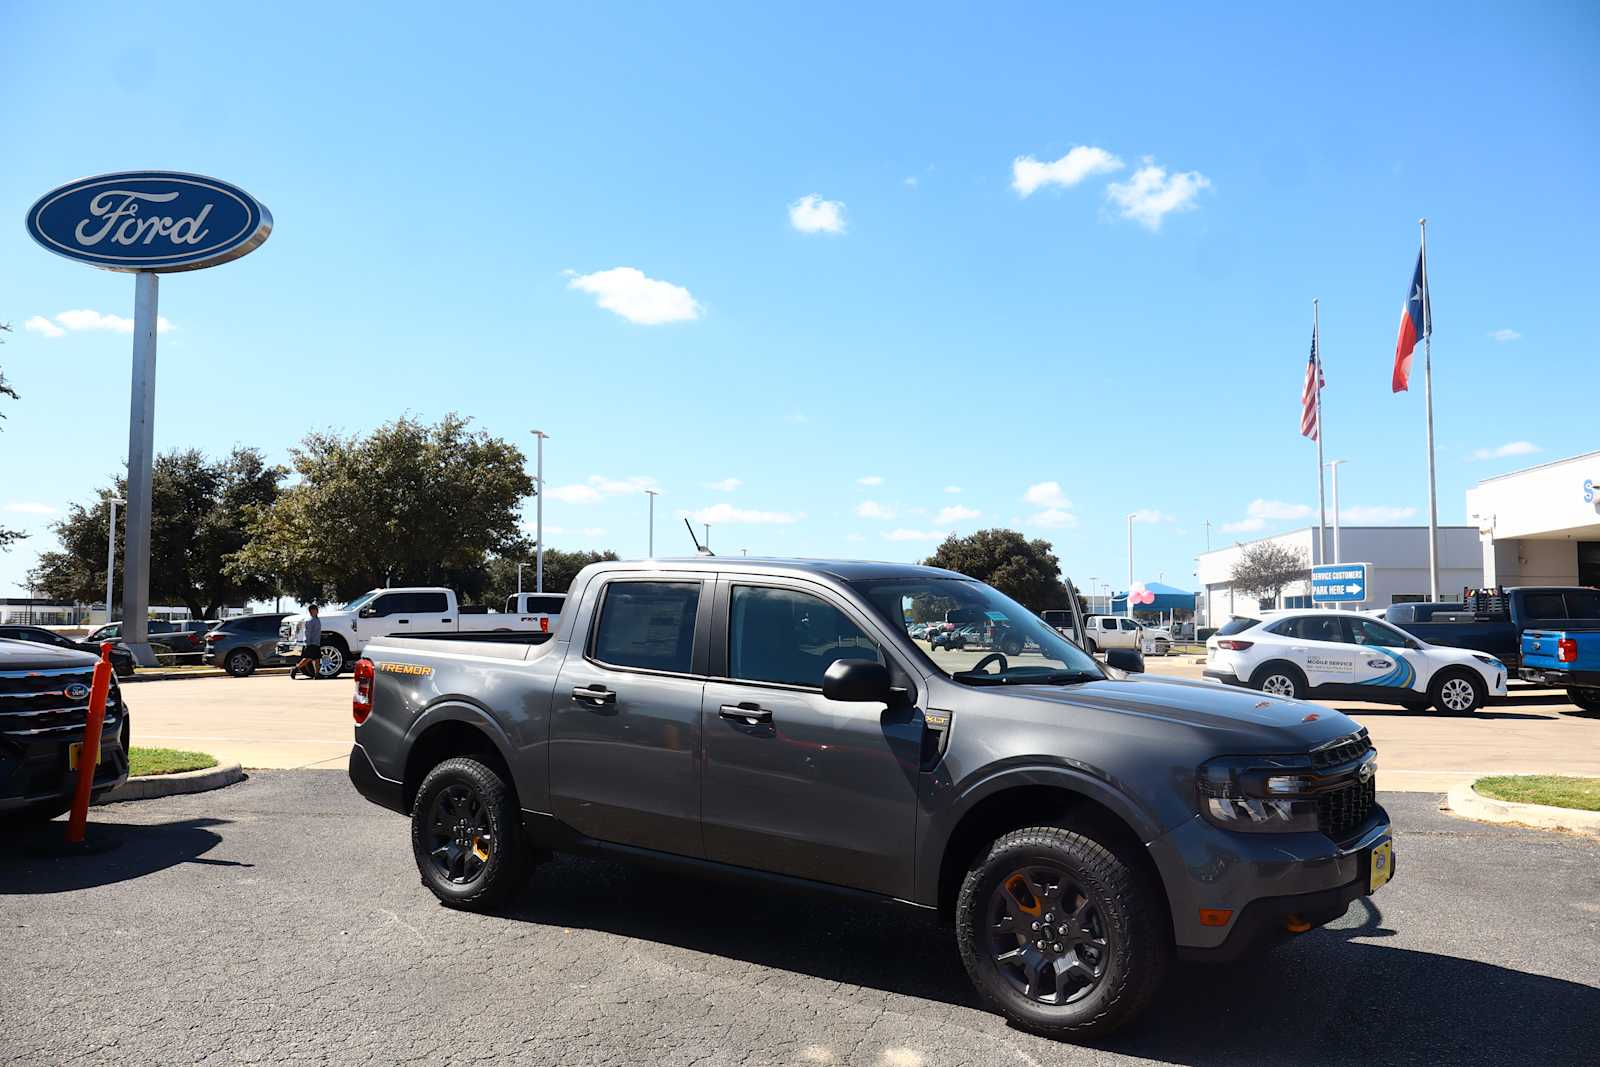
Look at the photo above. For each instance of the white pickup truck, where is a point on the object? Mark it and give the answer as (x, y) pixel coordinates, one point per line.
(1118, 631)
(412, 611)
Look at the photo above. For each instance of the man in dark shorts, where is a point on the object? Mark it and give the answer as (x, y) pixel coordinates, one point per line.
(311, 651)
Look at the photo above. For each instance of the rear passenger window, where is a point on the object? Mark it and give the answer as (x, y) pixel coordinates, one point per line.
(1544, 606)
(545, 605)
(648, 625)
(781, 635)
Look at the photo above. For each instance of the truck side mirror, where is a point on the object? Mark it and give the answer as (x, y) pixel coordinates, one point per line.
(1126, 659)
(367, 612)
(857, 681)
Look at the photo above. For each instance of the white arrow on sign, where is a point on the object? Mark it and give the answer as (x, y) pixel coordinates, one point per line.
(1354, 587)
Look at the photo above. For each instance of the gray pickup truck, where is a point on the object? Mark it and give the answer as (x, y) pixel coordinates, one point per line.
(1080, 825)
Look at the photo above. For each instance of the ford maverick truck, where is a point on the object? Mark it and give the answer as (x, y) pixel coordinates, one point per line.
(1078, 825)
(1565, 659)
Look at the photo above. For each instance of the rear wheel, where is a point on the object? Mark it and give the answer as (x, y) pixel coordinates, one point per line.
(1587, 699)
(1280, 680)
(1456, 693)
(241, 663)
(465, 835)
(1061, 934)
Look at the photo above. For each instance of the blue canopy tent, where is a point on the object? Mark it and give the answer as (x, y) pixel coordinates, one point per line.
(1169, 598)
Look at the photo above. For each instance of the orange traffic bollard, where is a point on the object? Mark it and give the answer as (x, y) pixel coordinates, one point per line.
(89, 754)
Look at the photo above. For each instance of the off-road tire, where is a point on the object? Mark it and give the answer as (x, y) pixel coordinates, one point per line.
(1137, 932)
(1436, 691)
(1587, 699)
(507, 865)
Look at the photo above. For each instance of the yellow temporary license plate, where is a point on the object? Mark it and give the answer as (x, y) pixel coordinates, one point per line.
(74, 751)
(1381, 866)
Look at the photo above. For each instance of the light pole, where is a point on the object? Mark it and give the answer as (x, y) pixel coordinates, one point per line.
(1128, 604)
(1333, 464)
(538, 513)
(1094, 585)
(652, 494)
(707, 541)
(111, 551)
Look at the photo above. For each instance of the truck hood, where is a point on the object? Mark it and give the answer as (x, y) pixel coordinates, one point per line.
(27, 656)
(1240, 720)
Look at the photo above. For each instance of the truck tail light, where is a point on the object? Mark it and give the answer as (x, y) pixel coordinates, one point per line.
(361, 703)
(1234, 646)
(1567, 650)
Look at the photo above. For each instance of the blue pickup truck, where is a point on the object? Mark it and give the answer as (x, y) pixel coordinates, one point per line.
(1493, 621)
(1568, 659)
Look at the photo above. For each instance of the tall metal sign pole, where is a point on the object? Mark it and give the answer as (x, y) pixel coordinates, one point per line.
(651, 493)
(146, 223)
(1427, 393)
(538, 513)
(111, 550)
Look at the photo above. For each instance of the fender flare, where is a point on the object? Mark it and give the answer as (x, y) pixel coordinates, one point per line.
(465, 710)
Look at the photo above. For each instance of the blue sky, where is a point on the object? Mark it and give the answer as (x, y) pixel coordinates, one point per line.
(596, 222)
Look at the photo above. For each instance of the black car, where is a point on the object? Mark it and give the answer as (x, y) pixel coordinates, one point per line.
(121, 658)
(186, 638)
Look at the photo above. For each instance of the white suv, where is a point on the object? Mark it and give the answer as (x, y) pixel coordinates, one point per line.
(1344, 654)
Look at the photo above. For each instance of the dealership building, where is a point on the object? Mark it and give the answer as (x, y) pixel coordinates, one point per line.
(1540, 526)
(1396, 558)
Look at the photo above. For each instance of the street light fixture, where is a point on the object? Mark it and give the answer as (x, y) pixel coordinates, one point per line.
(1128, 604)
(111, 550)
(538, 520)
(652, 494)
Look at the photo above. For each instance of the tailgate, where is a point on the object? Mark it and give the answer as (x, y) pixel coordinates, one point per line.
(1539, 650)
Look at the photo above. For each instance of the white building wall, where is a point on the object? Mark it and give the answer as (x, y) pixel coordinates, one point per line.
(1533, 520)
(1398, 558)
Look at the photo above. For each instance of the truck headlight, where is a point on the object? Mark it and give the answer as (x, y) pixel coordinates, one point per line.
(1258, 793)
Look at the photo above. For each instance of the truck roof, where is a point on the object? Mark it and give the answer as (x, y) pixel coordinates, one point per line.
(841, 569)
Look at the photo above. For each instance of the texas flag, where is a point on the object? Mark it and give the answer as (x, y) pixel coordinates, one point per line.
(1416, 322)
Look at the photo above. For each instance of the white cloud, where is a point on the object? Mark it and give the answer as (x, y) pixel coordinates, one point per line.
(797, 417)
(1029, 174)
(911, 182)
(870, 479)
(1150, 194)
(914, 535)
(956, 513)
(1053, 517)
(1046, 495)
(594, 531)
(638, 297)
(598, 487)
(1152, 516)
(1510, 448)
(854, 537)
(720, 514)
(871, 509)
(82, 319)
(812, 214)
(952, 489)
(30, 507)
(1504, 335)
(727, 485)
(1261, 511)
(1375, 513)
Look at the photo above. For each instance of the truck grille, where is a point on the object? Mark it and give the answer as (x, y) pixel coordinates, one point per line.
(1342, 750)
(1342, 811)
(34, 705)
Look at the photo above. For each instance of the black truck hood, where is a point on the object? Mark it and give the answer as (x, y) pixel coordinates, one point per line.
(1243, 720)
(28, 656)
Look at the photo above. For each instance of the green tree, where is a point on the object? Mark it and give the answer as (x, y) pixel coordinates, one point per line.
(408, 504)
(1027, 571)
(196, 523)
(559, 570)
(1263, 569)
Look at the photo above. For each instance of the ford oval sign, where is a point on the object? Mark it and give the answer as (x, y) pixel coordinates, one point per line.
(151, 220)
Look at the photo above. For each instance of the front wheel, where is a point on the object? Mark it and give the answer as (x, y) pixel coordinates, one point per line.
(465, 835)
(1587, 699)
(1061, 934)
(241, 663)
(1456, 693)
(333, 661)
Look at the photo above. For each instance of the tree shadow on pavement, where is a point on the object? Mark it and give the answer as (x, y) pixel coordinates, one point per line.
(1325, 997)
(30, 862)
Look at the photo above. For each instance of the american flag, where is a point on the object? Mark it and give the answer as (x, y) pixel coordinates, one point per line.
(1311, 395)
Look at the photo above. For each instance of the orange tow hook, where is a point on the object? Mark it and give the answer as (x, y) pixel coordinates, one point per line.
(1295, 925)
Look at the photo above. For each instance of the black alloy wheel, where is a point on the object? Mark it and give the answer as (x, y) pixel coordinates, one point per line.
(466, 834)
(460, 840)
(241, 663)
(1047, 935)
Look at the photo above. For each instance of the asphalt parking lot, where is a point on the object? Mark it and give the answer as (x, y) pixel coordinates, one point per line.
(281, 920)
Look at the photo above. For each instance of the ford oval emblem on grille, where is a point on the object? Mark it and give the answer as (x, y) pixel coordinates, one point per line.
(1365, 773)
(77, 691)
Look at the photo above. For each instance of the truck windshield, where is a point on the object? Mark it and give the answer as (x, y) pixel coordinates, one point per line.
(969, 623)
(356, 604)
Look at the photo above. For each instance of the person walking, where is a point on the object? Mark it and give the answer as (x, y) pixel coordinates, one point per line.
(311, 647)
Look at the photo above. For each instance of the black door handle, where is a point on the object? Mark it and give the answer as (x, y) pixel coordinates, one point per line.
(747, 713)
(598, 694)
(402, 622)
(444, 620)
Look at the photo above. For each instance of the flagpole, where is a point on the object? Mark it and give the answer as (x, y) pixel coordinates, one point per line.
(1427, 393)
(1322, 507)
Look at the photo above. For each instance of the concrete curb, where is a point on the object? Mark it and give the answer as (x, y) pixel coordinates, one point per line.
(171, 785)
(157, 675)
(1467, 802)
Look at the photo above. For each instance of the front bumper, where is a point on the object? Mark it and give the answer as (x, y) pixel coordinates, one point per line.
(39, 772)
(1260, 878)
